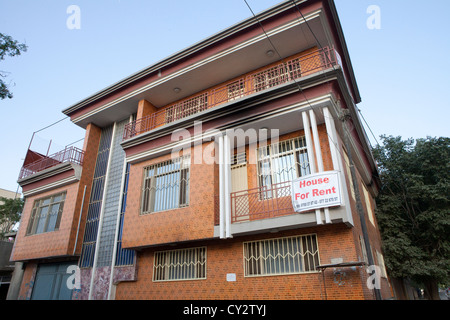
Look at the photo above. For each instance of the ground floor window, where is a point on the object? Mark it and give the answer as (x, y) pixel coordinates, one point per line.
(288, 255)
(182, 264)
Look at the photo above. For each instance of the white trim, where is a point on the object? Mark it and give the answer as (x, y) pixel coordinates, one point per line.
(51, 186)
(221, 190)
(199, 64)
(311, 157)
(227, 182)
(209, 134)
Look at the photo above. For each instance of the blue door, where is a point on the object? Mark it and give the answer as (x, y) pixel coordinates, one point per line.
(51, 282)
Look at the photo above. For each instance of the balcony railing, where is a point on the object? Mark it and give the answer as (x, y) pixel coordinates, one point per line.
(258, 203)
(261, 203)
(70, 154)
(255, 82)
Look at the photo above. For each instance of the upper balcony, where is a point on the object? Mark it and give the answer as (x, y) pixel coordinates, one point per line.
(68, 155)
(258, 81)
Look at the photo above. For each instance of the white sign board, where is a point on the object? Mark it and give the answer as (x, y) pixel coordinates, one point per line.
(320, 190)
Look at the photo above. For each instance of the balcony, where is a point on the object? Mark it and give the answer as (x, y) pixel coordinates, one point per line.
(255, 82)
(68, 155)
(259, 203)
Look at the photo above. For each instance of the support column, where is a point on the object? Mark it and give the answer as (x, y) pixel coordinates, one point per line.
(318, 154)
(311, 157)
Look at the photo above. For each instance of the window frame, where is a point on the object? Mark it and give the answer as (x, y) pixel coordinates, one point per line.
(36, 217)
(169, 266)
(268, 159)
(149, 199)
(260, 262)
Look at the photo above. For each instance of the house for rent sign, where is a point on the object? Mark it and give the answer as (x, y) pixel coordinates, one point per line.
(321, 190)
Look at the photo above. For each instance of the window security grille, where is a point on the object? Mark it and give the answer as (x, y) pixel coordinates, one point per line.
(46, 214)
(282, 162)
(166, 185)
(182, 264)
(290, 255)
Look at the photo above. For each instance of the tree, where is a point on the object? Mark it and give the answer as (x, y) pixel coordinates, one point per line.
(8, 47)
(10, 211)
(413, 209)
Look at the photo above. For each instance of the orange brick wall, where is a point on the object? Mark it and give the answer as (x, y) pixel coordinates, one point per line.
(55, 243)
(195, 221)
(226, 256)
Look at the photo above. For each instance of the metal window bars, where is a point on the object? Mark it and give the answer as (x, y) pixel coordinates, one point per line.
(289, 255)
(181, 264)
(166, 185)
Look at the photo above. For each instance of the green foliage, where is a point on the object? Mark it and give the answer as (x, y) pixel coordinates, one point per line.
(10, 211)
(8, 47)
(413, 207)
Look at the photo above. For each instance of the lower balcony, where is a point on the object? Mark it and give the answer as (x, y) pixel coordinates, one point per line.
(268, 209)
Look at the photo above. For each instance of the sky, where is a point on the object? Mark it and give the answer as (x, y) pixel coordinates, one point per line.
(400, 61)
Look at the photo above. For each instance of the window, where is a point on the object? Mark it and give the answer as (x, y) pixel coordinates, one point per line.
(46, 214)
(166, 185)
(281, 256)
(282, 162)
(182, 264)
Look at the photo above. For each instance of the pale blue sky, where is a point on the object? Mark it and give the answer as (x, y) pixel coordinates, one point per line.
(402, 69)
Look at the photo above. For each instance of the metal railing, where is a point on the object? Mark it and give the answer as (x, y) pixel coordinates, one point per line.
(261, 203)
(69, 154)
(261, 80)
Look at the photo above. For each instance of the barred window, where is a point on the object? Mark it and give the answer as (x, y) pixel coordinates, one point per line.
(182, 264)
(282, 162)
(289, 255)
(46, 214)
(166, 185)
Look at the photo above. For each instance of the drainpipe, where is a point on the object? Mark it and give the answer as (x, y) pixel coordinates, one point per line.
(345, 117)
(221, 189)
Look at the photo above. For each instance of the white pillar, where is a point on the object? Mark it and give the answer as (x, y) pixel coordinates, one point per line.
(318, 154)
(227, 182)
(312, 162)
(221, 189)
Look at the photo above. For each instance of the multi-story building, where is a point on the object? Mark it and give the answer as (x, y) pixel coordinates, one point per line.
(192, 180)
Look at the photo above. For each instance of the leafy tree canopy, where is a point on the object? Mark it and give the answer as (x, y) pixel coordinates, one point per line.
(10, 211)
(8, 47)
(413, 209)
